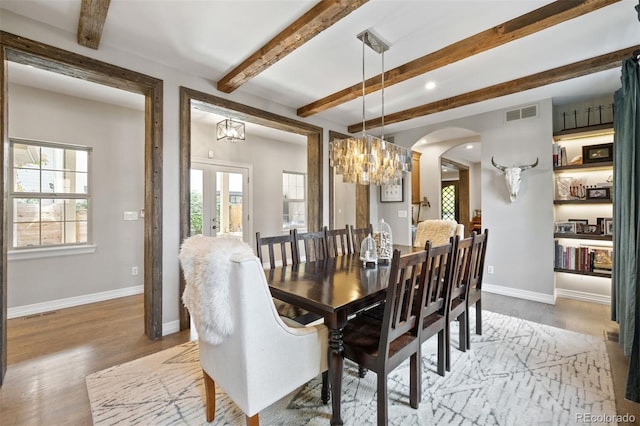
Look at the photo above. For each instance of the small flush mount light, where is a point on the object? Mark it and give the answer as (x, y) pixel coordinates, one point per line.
(469, 146)
(230, 130)
(430, 85)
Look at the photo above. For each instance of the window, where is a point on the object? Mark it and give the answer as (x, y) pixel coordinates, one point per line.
(49, 194)
(294, 201)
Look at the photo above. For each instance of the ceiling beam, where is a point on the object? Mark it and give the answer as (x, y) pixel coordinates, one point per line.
(555, 75)
(522, 26)
(93, 14)
(317, 19)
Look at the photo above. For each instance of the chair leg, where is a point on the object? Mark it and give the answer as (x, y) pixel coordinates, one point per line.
(382, 399)
(447, 344)
(325, 388)
(442, 352)
(415, 380)
(253, 420)
(462, 319)
(479, 317)
(468, 327)
(210, 396)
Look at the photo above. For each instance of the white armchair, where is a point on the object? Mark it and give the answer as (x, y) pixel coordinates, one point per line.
(263, 359)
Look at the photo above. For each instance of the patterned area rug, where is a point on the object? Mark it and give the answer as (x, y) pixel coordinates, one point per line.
(517, 372)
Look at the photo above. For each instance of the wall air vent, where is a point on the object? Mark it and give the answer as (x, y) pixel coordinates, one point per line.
(530, 111)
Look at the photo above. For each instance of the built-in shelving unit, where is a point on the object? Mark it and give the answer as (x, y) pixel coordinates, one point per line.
(575, 251)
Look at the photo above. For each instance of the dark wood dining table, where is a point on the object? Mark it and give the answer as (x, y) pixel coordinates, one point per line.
(334, 288)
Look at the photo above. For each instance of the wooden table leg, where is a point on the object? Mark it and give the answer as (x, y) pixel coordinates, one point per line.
(336, 363)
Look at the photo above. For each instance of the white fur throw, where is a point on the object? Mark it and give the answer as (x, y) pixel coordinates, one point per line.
(436, 231)
(206, 265)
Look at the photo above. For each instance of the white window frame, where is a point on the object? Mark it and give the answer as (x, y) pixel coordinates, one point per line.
(296, 200)
(48, 250)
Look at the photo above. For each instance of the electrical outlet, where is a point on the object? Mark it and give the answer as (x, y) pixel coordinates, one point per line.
(134, 270)
(490, 269)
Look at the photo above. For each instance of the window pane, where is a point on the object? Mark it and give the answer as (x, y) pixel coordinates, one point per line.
(26, 210)
(74, 183)
(26, 234)
(26, 156)
(51, 233)
(76, 160)
(52, 158)
(52, 210)
(26, 180)
(196, 218)
(54, 181)
(76, 232)
(75, 209)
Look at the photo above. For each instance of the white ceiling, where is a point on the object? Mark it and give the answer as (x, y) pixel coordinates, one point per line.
(211, 37)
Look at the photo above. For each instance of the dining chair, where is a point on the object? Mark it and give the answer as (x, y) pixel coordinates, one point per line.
(282, 245)
(476, 272)
(261, 358)
(459, 292)
(311, 246)
(359, 234)
(438, 297)
(382, 345)
(338, 241)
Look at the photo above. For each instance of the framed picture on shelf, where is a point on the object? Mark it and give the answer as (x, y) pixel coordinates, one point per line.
(566, 228)
(392, 193)
(598, 193)
(608, 226)
(597, 153)
(602, 258)
(588, 229)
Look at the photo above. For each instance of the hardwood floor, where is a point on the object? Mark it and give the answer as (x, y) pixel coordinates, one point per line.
(49, 355)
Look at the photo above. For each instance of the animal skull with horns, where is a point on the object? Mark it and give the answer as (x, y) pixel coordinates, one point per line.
(513, 176)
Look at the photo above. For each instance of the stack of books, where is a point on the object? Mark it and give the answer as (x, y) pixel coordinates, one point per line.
(559, 155)
(583, 258)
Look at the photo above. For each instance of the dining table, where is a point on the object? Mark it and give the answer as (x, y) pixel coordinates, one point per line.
(334, 288)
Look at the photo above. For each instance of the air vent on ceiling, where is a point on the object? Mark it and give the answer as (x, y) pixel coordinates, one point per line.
(530, 111)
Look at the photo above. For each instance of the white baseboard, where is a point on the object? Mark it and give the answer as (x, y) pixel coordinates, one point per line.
(52, 305)
(520, 294)
(170, 327)
(586, 297)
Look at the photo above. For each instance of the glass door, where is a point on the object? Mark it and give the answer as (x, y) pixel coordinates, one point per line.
(219, 200)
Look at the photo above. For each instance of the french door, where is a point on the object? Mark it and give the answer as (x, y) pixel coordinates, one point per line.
(220, 200)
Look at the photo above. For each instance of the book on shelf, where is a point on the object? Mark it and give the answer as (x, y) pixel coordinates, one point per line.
(559, 155)
(583, 258)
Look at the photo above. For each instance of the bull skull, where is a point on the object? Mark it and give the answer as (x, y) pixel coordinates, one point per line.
(513, 176)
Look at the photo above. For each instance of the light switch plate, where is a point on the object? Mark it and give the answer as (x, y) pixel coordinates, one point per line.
(130, 215)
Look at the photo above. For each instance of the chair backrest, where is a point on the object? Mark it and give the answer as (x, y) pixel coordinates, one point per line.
(359, 234)
(281, 248)
(405, 298)
(437, 231)
(311, 246)
(339, 241)
(461, 267)
(438, 281)
(476, 267)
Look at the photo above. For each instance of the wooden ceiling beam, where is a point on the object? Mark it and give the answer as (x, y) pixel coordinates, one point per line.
(522, 26)
(93, 14)
(317, 19)
(555, 75)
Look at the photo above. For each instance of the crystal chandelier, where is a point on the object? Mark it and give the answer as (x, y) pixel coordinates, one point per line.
(368, 159)
(230, 130)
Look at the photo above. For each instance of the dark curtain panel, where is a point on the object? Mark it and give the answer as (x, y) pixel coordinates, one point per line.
(626, 221)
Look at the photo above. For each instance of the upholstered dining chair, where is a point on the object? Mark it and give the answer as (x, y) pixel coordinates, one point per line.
(260, 358)
(338, 241)
(359, 234)
(279, 249)
(476, 272)
(437, 231)
(459, 293)
(382, 345)
(312, 246)
(438, 297)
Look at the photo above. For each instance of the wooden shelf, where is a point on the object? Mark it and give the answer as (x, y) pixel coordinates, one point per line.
(591, 274)
(591, 201)
(583, 132)
(584, 237)
(604, 165)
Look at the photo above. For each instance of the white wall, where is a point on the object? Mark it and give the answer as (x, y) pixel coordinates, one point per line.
(116, 135)
(269, 159)
(520, 246)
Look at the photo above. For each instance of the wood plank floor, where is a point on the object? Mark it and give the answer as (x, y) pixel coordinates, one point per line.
(49, 355)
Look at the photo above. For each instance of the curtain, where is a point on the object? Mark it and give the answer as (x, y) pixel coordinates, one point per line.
(626, 221)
